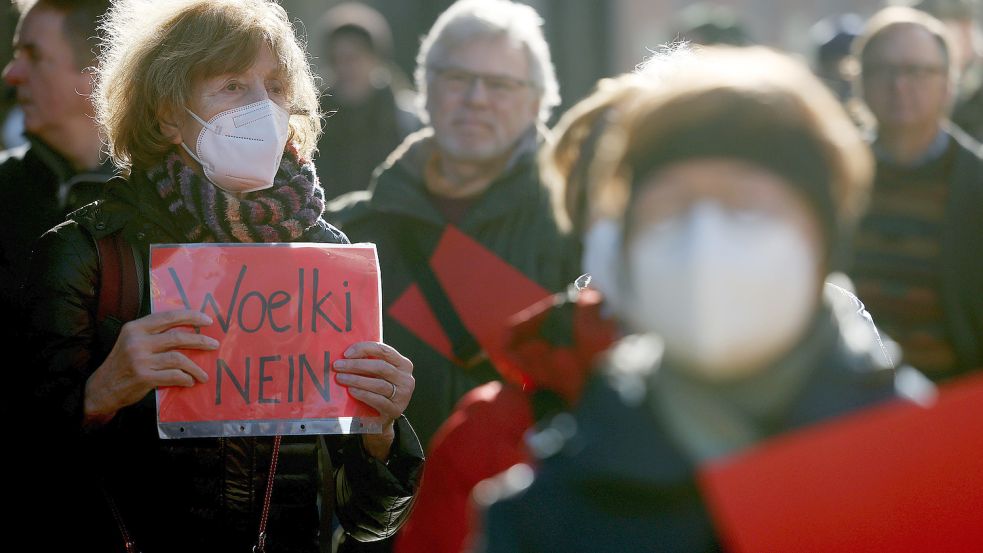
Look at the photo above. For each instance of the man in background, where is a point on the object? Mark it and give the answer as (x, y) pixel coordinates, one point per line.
(366, 99)
(917, 265)
(60, 168)
(487, 86)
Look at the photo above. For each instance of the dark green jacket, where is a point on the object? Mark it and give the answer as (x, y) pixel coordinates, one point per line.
(961, 274)
(202, 494)
(513, 219)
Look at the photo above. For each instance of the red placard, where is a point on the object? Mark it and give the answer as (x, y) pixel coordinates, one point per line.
(895, 478)
(283, 313)
(484, 289)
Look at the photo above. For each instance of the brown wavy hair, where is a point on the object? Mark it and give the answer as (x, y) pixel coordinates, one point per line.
(153, 53)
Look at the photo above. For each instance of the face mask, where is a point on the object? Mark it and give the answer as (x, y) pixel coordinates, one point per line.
(727, 291)
(240, 149)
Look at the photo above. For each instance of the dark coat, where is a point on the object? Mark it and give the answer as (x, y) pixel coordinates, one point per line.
(961, 273)
(38, 187)
(193, 494)
(357, 138)
(513, 219)
(620, 483)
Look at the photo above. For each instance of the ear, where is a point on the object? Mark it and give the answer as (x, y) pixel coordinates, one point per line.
(169, 124)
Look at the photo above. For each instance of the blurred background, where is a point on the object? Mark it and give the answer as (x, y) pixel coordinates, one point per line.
(589, 39)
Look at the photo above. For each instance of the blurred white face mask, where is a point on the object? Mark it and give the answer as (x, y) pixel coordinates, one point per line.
(728, 291)
(240, 149)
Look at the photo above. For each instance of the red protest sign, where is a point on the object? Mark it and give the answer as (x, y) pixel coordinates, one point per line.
(471, 276)
(283, 313)
(898, 477)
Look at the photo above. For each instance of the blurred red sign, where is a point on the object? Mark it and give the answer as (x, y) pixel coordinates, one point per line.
(899, 477)
(283, 313)
(485, 290)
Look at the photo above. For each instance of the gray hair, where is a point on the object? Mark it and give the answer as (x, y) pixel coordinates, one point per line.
(468, 20)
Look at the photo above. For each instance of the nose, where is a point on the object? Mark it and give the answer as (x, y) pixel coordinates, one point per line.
(477, 92)
(13, 73)
(259, 95)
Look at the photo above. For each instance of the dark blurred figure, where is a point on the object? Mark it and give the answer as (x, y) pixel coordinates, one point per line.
(729, 192)
(58, 170)
(61, 168)
(370, 108)
(917, 261)
(833, 38)
(960, 18)
(707, 23)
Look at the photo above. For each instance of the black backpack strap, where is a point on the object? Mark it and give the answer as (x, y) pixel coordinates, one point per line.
(467, 351)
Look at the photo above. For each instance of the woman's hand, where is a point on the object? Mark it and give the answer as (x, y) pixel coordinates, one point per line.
(143, 358)
(378, 376)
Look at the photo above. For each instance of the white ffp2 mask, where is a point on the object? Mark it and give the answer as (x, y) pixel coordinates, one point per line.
(240, 149)
(727, 291)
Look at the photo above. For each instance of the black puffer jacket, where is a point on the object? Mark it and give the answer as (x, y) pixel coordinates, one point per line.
(181, 495)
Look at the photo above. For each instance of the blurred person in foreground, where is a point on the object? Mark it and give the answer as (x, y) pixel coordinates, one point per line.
(551, 349)
(487, 86)
(172, 75)
(917, 264)
(61, 168)
(725, 196)
(366, 103)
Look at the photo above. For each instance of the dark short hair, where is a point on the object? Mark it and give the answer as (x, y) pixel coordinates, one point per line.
(81, 25)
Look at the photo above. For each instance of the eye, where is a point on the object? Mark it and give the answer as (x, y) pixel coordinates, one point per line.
(499, 84)
(233, 86)
(276, 87)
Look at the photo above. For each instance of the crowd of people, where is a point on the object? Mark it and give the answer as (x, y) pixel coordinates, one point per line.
(725, 246)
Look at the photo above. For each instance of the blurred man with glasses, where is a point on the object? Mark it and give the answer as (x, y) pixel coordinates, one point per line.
(917, 264)
(486, 88)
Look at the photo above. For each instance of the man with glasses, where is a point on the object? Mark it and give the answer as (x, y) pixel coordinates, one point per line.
(917, 264)
(487, 86)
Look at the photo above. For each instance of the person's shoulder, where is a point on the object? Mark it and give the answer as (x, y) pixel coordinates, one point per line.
(349, 208)
(13, 164)
(106, 215)
(325, 233)
(60, 255)
(872, 367)
(966, 144)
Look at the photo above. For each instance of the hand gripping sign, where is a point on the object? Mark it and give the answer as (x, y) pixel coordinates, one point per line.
(283, 313)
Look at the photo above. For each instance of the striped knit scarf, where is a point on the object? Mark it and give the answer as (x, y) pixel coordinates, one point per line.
(205, 213)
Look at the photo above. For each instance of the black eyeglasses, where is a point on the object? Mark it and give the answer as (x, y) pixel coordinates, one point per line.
(909, 71)
(459, 81)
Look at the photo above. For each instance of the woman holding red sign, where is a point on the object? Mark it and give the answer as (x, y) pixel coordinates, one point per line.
(174, 79)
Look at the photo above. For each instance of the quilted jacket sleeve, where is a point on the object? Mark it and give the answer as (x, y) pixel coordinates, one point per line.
(373, 499)
(60, 295)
